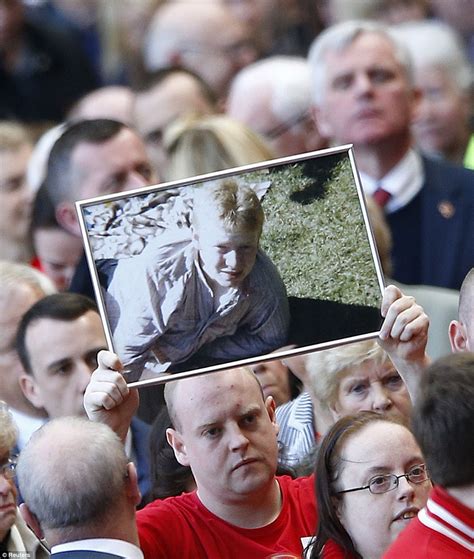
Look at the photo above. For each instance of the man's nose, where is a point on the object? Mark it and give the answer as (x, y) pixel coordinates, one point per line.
(135, 180)
(363, 84)
(237, 439)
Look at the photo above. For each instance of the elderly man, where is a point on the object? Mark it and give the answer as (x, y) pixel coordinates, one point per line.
(363, 94)
(83, 507)
(171, 93)
(444, 75)
(57, 373)
(205, 37)
(226, 432)
(443, 422)
(22, 286)
(15, 197)
(273, 98)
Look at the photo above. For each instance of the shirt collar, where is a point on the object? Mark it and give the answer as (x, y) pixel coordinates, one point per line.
(116, 547)
(403, 181)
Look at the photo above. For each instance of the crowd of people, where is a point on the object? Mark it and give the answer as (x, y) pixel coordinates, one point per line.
(361, 451)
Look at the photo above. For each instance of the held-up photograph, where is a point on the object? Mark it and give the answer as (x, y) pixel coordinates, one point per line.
(224, 269)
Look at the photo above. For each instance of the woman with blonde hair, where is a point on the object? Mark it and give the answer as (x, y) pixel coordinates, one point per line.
(204, 144)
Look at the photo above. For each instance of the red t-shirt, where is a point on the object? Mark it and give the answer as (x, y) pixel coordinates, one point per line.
(442, 530)
(182, 527)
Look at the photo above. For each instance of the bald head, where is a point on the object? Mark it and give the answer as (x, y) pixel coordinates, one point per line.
(204, 37)
(466, 300)
(177, 391)
(62, 469)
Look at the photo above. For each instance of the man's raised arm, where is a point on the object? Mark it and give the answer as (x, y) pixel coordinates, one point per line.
(403, 336)
(108, 399)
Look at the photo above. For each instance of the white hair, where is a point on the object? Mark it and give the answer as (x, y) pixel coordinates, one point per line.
(13, 274)
(432, 43)
(288, 79)
(337, 38)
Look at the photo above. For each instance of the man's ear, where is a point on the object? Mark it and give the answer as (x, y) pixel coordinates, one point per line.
(320, 122)
(31, 390)
(457, 336)
(175, 440)
(271, 407)
(66, 216)
(417, 96)
(31, 520)
(133, 490)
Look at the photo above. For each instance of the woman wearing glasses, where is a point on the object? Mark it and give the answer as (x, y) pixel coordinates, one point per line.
(16, 540)
(370, 482)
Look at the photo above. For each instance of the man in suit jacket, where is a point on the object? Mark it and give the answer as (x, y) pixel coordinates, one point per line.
(363, 94)
(57, 373)
(80, 491)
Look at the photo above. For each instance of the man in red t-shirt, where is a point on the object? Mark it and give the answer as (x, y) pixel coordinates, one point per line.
(443, 423)
(225, 430)
(227, 433)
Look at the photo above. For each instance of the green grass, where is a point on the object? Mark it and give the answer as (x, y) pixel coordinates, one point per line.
(320, 247)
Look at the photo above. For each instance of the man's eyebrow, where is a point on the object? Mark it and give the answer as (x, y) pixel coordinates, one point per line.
(242, 413)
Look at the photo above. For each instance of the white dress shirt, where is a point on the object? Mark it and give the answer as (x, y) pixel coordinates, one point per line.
(117, 547)
(403, 181)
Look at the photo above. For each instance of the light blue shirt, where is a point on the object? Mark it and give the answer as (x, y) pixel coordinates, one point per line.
(162, 310)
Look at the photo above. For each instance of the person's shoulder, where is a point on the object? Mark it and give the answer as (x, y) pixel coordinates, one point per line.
(450, 177)
(186, 503)
(296, 485)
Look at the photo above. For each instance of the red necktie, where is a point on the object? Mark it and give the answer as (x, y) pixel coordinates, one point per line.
(381, 196)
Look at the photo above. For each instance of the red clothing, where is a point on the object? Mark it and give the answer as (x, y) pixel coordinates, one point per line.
(444, 529)
(182, 527)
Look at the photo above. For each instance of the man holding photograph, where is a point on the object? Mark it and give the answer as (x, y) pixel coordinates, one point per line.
(204, 293)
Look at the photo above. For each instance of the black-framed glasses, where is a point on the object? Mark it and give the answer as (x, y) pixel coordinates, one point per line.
(389, 482)
(8, 468)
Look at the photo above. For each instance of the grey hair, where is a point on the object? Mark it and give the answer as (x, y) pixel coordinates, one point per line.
(13, 274)
(432, 43)
(288, 79)
(8, 429)
(338, 37)
(72, 473)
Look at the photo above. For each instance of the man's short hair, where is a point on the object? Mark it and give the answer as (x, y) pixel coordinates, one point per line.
(436, 44)
(443, 420)
(79, 481)
(236, 205)
(158, 77)
(62, 179)
(14, 274)
(286, 77)
(59, 306)
(337, 38)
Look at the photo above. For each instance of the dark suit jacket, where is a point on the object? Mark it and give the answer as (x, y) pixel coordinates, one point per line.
(141, 453)
(433, 235)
